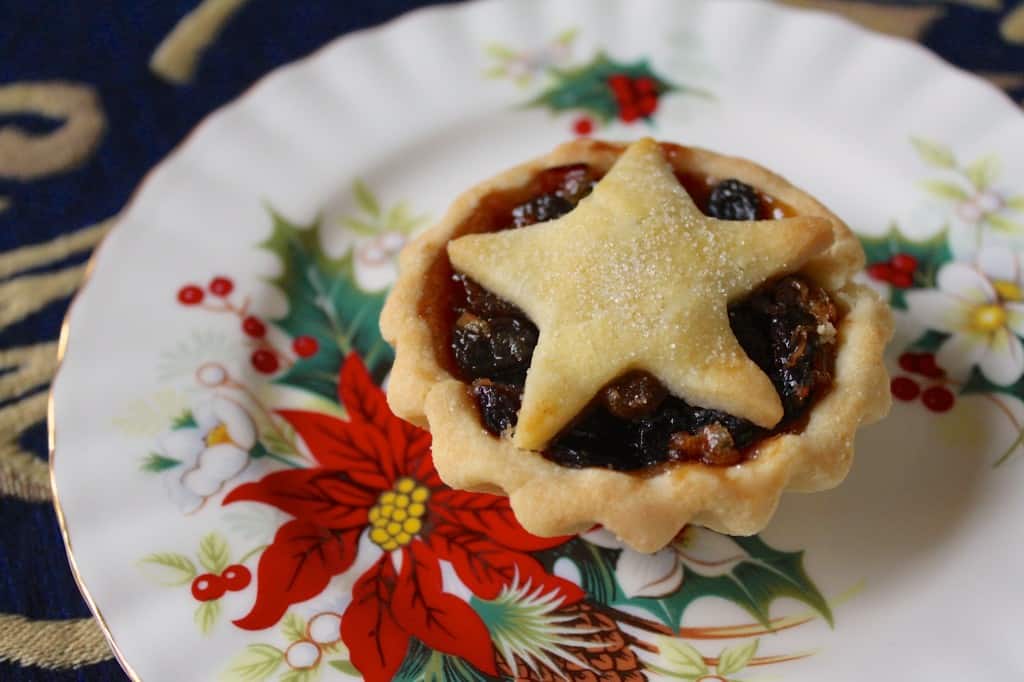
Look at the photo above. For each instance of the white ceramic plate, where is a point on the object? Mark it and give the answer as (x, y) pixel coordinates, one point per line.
(173, 460)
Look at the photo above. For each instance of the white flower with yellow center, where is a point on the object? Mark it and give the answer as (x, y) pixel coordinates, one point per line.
(212, 449)
(661, 573)
(981, 306)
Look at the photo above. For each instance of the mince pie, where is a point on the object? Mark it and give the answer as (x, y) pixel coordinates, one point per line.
(638, 336)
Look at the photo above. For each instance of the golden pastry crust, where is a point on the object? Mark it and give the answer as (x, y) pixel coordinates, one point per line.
(639, 240)
(645, 509)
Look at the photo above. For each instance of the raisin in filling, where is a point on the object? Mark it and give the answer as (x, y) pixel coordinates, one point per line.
(786, 327)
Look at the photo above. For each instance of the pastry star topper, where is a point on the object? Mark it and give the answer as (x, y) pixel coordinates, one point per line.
(637, 277)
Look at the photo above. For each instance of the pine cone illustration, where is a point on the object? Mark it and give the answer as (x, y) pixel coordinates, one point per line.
(602, 646)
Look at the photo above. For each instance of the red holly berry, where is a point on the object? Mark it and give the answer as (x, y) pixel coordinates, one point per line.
(645, 85)
(208, 587)
(236, 577)
(904, 262)
(583, 126)
(190, 294)
(904, 388)
(254, 327)
(927, 366)
(648, 105)
(264, 361)
(221, 286)
(901, 279)
(910, 362)
(881, 271)
(620, 85)
(628, 113)
(938, 399)
(305, 346)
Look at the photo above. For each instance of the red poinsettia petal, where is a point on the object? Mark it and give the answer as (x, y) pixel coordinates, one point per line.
(324, 498)
(486, 567)
(361, 397)
(297, 566)
(419, 462)
(373, 480)
(491, 516)
(334, 443)
(376, 642)
(371, 439)
(441, 621)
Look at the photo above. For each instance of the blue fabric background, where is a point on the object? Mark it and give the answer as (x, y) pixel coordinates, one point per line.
(108, 43)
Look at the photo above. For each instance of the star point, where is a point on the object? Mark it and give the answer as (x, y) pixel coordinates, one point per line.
(637, 277)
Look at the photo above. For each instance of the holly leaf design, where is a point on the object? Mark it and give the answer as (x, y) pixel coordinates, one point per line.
(256, 663)
(934, 153)
(170, 569)
(214, 553)
(586, 87)
(735, 658)
(206, 615)
(978, 383)
(931, 254)
(422, 664)
(305, 675)
(325, 303)
(765, 575)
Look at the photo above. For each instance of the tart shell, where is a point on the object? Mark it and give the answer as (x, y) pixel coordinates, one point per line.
(645, 509)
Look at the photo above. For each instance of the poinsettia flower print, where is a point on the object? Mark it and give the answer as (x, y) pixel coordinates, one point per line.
(375, 477)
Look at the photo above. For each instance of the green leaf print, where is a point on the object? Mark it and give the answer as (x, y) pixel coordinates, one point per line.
(945, 190)
(184, 421)
(1016, 203)
(930, 254)
(735, 658)
(365, 198)
(983, 172)
(169, 568)
(206, 615)
(345, 667)
(324, 302)
(586, 87)
(154, 462)
(421, 664)
(255, 664)
(680, 659)
(1004, 224)
(753, 584)
(214, 554)
(293, 627)
(933, 153)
